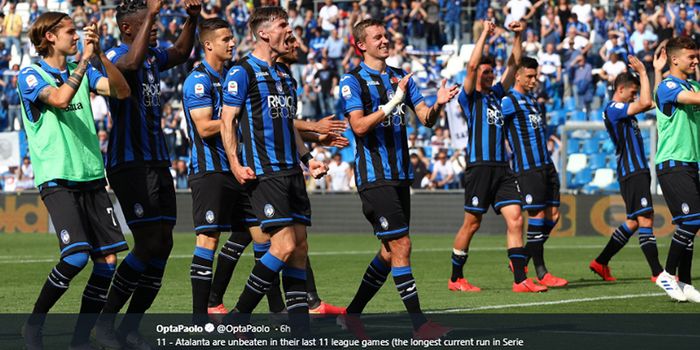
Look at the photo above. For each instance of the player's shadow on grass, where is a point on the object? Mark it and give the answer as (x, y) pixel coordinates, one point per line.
(585, 283)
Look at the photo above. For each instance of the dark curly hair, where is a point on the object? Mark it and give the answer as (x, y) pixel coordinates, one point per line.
(129, 7)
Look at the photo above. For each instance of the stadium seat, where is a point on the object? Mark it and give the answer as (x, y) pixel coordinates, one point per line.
(608, 146)
(601, 135)
(581, 178)
(603, 178)
(573, 145)
(577, 162)
(579, 116)
(591, 146)
(612, 163)
(596, 115)
(598, 160)
(570, 104)
(613, 187)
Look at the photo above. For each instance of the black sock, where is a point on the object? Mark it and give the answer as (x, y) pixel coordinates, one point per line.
(200, 276)
(57, 284)
(681, 240)
(647, 242)
(311, 293)
(535, 244)
(372, 281)
(459, 259)
(226, 264)
(518, 257)
(408, 291)
(148, 287)
(94, 299)
(294, 281)
(686, 264)
(261, 278)
(125, 281)
(618, 240)
(275, 301)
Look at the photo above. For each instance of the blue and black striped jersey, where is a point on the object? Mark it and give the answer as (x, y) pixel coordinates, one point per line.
(526, 129)
(625, 134)
(267, 98)
(137, 138)
(202, 89)
(381, 155)
(485, 122)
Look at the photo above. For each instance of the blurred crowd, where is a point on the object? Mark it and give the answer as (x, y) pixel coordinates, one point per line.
(581, 46)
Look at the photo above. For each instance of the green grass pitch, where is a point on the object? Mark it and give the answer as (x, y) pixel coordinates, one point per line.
(340, 260)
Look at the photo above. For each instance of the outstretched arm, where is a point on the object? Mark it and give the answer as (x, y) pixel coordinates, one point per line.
(428, 115)
(644, 102)
(179, 53)
(509, 75)
(473, 65)
(133, 59)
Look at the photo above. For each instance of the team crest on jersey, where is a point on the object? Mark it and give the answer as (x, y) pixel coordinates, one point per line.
(199, 89)
(150, 76)
(269, 210)
(671, 85)
(65, 237)
(528, 199)
(389, 94)
(475, 201)
(138, 209)
(347, 94)
(394, 80)
(384, 223)
(209, 216)
(644, 202)
(278, 85)
(233, 87)
(31, 81)
(685, 208)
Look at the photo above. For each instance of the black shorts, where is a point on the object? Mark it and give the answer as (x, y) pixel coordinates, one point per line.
(636, 192)
(220, 203)
(539, 188)
(681, 189)
(486, 185)
(388, 209)
(84, 221)
(280, 201)
(146, 195)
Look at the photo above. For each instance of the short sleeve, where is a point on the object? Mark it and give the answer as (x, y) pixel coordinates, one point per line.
(94, 75)
(507, 107)
(668, 92)
(196, 91)
(235, 87)
(498, 90)
(30, 84)
(161, 56)
(414, 93)
(616, 111)
(115, 54)
(350, 91)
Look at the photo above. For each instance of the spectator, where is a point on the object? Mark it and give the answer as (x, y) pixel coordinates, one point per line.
(339, 174)
(309, 103)
(611, 69)
(334, 49)
(432, 25)
(295, 19)
(532, 47)
(12, 29)
(375, 8)
(34, 12)
(583, 11)
(580, 27)
(328, 16)
(516, 10)
(416, 31)
(14, 114)
(551, 28)
(563, 11)
(452, 20)
(482, 7)
(5, 57)
(641, 35)
(328, 79)
(443, 174)
(25, 178)
(317, 41)
(180, 178)
(103, 139)
(100, 111)
(238, 14)
(614, 45)
(421, 177)
(573, 44)
(583, 83)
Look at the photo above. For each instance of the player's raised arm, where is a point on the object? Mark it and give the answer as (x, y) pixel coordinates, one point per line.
(644, 102)
(179, 53)
(138, 49)
(113, 84)
(470, 79)
(509, 75)
(428, 115)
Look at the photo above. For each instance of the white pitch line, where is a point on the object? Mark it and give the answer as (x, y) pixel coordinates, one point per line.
(553, 302)
(9, 259)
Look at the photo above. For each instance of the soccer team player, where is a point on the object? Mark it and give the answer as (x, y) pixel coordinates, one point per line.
(678, 122)
(488, 179)
(376, 101)
(259, 107)
(632, 168)
(538, 181)
(137, 164)
(68, 166)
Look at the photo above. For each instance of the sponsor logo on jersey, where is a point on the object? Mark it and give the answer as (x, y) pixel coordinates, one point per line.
(671, 85)
(233, 87)
(31, 81)
(345, 91)
(199, 89)
(74, 107)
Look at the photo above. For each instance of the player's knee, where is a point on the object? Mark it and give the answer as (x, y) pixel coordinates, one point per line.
(633, 225)
(401, 246)
(78, 260)
(283, 249)
(208, 240)
(470, 227)
(515, 222)
(645, 221)
(107, 259)
(554, 216)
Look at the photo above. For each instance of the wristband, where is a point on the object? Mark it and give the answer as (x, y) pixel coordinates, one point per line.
(388, 108)
(305, 158)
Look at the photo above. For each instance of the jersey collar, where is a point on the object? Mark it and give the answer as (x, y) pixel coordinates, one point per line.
(370, 70)
(49, 69)
(258, 61)
(211, 70)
